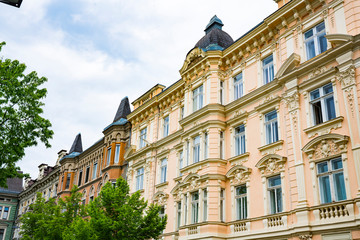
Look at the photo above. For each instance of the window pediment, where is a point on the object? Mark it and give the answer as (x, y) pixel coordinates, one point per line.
(271, 163)
(160, 198)
(190, 182)
(238, 174)
(290, 63)
(325, 146)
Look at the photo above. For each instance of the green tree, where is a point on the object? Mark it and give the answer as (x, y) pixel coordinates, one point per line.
(49, 220)
(21, 124)
(116, 214)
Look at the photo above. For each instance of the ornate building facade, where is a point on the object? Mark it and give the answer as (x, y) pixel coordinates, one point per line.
(101, 162)
(260, 138)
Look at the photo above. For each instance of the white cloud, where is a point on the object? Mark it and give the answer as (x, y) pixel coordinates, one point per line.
(95, 52)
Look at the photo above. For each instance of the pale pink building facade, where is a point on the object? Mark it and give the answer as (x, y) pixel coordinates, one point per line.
(260, 138)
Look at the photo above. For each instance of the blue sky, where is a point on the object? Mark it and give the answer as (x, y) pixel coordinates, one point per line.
(95, 52)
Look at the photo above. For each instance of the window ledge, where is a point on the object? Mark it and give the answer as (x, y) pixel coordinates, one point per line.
(271, 148)
(201, 164)
(239, 159)
(325, 127)
(161, 184)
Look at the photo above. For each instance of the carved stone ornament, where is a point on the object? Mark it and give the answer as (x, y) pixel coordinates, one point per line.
(305, 237)
(191, 182)
(350, 98)
(292, 100)
(325, 149)
(347, 78)
(271, 164)
(160, 198)
(238, 174)
(326, 146)
(317, 71)
(193, 56)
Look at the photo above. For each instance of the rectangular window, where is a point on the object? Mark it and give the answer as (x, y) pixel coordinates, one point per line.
(187, 152)
(206, 145)
(182, 112)
(94, 170)
(2, 234)
(185, 208)
(241, 202)
(222, 205)
(108, 156)
(322, 104)
(80, 178)
(222, 144)
(163, 170)
(67, 181)
(239, 140)
(143, 137)
(140, 179)
(205, 205)
(221, 93)
(331, 180)
(162, 212)
(49, 193)
(181, 162)
(117, 154)
(196, 149)
(178, 219)
(55, 190)
(268, 69)
(198, 98)
(87, 173)
(315, 41)
(166, 126)
(271, 127)
(275, 194)
(238, 86)
(195, 207)
(5, 213)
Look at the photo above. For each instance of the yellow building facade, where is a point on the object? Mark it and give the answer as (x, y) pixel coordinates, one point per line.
(260, 138)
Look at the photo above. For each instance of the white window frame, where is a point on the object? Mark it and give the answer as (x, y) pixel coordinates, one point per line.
(323, 97)
(196, 149)
(268, 69)
(139, 179)
(108, 156)
(315, 39)
(2, 212)
(273, 126)
(206, 145)
(163, 170)
(331, 173)
(198, 98)
(195, 207)
(241, 205)
(222, 144)
(205, 204)
(239, 140)
(222, 205)
(178, 214)
(221, 92)
(142, 137)
(4, 233)
(95, 165)
(181, 161)
(238, 86)
(166, 126)
(275, 189)
(117, 154)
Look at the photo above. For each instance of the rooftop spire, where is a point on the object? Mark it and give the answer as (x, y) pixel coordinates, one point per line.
(123, 110)
(77, 145)
(215, 22)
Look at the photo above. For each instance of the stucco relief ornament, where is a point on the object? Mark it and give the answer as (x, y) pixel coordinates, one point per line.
(162, 199)
(350, 97)
(194, 183)
(239, 176)
(317, 71)
(347, 78)
(292, 101)
(326, 148)
(305, 237)
(270, 166)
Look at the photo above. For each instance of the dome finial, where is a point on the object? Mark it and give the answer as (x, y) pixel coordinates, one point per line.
(215, 22)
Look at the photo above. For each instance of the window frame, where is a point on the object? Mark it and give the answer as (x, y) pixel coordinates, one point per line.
(240, 215)
(142, 137)
(117, 154)
(315, 39)
(273, 126)
(139, 176)
(268, 69)
(163, 170)
(332, 182)
(275, 188)
(322, 98)
(95, 165)
(239, 140)
(195, 207)
(198, 98)
(238, 82)
(196, 148)
(166, 126)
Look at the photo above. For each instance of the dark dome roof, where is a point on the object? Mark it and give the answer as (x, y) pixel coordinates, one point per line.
(215, 38)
